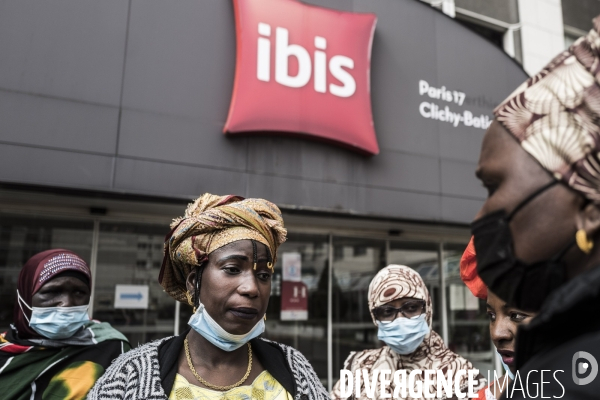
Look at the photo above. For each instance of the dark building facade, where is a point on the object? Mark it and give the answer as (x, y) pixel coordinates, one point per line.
(111, 120)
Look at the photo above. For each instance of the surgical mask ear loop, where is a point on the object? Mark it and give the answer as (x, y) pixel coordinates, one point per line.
(529, 198)
(19, 300)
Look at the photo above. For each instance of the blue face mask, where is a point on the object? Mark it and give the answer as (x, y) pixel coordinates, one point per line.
(508, 371)
(203, 323)
(403, 335)
(56, 322)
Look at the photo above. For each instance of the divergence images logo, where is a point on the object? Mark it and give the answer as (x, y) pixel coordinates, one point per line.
(303, 69)
(584, 363)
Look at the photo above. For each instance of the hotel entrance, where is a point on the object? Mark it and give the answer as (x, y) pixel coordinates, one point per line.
(335, 261)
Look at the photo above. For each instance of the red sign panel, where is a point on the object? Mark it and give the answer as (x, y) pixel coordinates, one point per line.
(294, 301)
(303, 69)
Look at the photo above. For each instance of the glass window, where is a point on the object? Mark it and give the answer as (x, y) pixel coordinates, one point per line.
(423, 258)
(468, 325)
(308, 336)
(131, 254)
(21, 237)
(355, 263)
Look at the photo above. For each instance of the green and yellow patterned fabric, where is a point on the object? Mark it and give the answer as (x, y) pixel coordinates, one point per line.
(29, 371)
(264, 387)
(73, 382)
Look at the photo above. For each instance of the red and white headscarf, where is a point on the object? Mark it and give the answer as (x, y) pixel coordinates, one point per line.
(36, 272)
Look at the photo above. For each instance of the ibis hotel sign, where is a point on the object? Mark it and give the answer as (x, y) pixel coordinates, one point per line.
(303, 70)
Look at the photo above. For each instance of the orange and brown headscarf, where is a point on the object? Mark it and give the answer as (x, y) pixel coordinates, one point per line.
(212, 222)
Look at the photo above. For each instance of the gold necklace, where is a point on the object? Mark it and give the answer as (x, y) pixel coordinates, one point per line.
(209, 385)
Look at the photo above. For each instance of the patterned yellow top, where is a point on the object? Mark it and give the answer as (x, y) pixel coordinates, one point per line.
(264, 387)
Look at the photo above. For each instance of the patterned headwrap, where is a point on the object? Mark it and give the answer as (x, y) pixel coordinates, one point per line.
(209, 223)
(392, 283)
(397, 282)
(555, 115)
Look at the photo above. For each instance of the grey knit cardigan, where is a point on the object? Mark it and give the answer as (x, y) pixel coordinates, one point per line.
(135, 375)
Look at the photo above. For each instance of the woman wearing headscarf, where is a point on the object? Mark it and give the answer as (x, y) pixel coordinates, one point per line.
(536, 236)
(53, 350)
(401, 309)
(218, 259)
(504, 323)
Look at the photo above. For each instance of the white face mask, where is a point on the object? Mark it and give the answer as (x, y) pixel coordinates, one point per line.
(203, 323)
(403, 335)
(56, 322)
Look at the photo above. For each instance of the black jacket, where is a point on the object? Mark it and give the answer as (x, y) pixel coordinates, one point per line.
(550, 349)
(269, 354)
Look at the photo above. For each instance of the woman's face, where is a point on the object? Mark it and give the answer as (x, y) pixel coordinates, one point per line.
(544, 226)
(504, 321)
(410, 307)
(62, 291)
(234, 294)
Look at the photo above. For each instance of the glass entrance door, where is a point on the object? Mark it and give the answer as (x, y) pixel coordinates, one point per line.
(131, 254)
(355, 263)
(309, 335)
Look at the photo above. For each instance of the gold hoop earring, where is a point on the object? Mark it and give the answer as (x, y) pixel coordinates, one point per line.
(265, 317)
(586, 245)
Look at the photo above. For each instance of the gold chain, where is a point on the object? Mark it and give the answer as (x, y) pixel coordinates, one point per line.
(209, 385)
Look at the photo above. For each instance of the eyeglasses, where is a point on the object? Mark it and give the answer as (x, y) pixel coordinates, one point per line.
(409, 309)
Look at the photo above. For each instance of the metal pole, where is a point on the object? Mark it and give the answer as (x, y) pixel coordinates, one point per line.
(330, 316)
(94, 264)
(443, 293)
(387, 253)
(145, 323)
(296, 333)
(177, 310)
(496, 362)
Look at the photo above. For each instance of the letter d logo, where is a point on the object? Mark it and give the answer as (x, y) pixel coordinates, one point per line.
(582, 367)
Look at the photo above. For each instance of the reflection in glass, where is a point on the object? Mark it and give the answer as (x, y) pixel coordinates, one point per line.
(21, 237)
(310, 336)
(468, 325)
(355, 263)
(131, 254)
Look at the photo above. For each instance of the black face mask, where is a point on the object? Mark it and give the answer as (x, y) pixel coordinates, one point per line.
(521, 285)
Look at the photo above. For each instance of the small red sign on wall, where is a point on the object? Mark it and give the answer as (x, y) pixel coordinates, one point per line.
(303, 69)
(294, 301)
